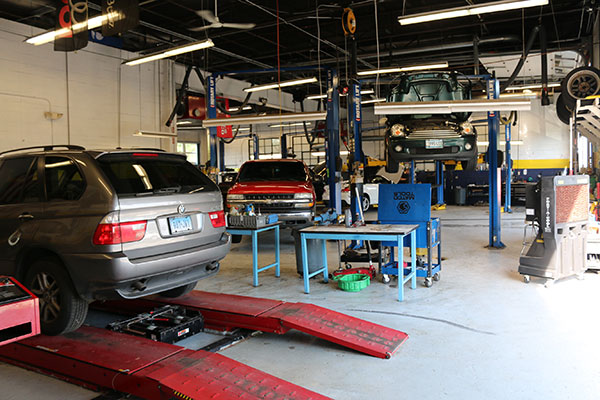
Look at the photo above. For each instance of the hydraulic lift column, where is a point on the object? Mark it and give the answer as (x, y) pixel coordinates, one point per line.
(507, 199)
(495, 192)
(332, 144)
(212, 113)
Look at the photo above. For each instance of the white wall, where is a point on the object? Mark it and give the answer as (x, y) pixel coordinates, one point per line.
(102, 102)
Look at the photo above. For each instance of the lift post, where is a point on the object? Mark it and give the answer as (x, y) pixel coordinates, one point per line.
(495, 193)
(507, 199)
(332, 145)
(439, 181)
(212, 113)
(355, 110)
(255, 143)
(411, 178)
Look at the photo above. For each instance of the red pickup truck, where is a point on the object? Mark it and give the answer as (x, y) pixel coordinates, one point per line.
(281, 187)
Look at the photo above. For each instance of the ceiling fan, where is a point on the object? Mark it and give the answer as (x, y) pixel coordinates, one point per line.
(214, 22)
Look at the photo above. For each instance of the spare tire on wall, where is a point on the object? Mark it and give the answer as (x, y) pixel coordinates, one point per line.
(563, 113)
(579, 84)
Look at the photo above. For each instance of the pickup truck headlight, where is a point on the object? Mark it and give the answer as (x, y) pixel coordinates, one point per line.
(234, 197)
(304, 195)
(398, 130)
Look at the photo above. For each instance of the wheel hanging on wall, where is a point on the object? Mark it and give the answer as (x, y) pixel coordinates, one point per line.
(579, 84)
(564, 114)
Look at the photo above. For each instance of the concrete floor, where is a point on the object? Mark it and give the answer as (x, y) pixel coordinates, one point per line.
(478, 333)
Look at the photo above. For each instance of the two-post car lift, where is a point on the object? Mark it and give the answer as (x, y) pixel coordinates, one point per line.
(102, 360)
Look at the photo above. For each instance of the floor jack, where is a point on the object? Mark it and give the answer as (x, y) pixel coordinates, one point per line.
(125, 359)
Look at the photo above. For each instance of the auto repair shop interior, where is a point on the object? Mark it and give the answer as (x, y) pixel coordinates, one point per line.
(215, 199)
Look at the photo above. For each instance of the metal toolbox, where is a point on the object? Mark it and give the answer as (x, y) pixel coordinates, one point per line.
(251, 221)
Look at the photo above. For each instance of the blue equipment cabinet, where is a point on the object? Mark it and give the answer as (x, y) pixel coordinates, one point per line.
(411, 204)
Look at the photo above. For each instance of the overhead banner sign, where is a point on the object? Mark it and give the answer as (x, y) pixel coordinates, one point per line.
(72, 15)
(123, 16)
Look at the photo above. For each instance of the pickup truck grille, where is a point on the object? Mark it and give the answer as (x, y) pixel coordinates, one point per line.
(269, 196)
(434, 134)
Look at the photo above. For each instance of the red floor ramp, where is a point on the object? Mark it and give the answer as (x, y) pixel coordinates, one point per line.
(103, 360)
(204, 375)
(279, 317)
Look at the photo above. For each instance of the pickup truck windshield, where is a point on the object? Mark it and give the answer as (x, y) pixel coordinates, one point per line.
(272, 171)
(153, 174)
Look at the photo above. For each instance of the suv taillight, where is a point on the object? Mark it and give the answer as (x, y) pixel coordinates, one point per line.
(217, 218)
(109, 232)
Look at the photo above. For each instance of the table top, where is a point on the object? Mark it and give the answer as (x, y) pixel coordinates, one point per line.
(370, 229)
(247, 228)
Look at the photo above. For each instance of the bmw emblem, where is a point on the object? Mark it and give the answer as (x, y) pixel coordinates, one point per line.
(181, 209)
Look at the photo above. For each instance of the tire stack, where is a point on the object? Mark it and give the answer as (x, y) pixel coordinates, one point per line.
(578, 84)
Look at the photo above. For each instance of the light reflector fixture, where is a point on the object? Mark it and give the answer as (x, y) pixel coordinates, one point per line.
(92, 23)
(280, 85)
(289, 125)
(533, 86)
(475, 9)
(265, 119)
(404, 69)
(155, 134)
(372, 101)
(186, 48)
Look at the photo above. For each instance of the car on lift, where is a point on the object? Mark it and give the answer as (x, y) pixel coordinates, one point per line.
(79, 225)
(281, 187)
(430, 136)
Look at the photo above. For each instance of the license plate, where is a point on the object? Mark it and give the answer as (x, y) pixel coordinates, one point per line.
(180, 224)
(434, 144)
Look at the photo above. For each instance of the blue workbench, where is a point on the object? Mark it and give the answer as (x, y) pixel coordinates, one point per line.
(375, 232)
(253, 232)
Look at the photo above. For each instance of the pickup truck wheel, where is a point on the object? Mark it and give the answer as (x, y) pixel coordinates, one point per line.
(61, 308)
(179, 291)
(236, 238)
(469, 165)
(391, 166)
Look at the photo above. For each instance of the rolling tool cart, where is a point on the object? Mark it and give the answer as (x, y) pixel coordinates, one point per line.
(19, 311)
(411, 204)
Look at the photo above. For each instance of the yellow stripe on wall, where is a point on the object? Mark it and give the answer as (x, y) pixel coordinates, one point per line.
(535, 164)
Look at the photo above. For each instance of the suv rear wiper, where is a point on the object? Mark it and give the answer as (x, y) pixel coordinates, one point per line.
(171, 189)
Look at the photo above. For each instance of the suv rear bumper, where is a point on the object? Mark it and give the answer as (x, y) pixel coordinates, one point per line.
(109, 276)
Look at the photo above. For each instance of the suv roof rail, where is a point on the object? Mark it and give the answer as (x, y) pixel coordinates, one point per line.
(45, 148)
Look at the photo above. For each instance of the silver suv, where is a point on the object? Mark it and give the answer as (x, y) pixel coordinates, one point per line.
(79, 225)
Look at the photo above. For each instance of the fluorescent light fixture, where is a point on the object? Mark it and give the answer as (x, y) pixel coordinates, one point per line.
(269, 156)
(186, 48)
(372, 101)
(448, 107)
(92, 23)
(265, 119)
(280, 85)
(475, 9)
(245, 108)
(316, 97)
(155, 134)
(534, 86)
(404, 69)
(367, 91)
(322, 153)
(289, 125)
(184, 123)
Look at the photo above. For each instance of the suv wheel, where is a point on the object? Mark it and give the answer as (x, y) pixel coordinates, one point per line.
(366, 202)
(61, 309)
(391, 166)
(469, 165)
(179, 291)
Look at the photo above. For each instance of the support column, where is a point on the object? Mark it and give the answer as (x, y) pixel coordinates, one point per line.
(332, 145)
(355, 110)
(255, 145)
(495, 192)
(507, 199)
(439, 181)
(283, 145)
(212, 113)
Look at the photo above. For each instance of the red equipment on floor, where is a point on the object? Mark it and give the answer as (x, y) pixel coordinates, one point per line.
(101, 359)
(19, 311)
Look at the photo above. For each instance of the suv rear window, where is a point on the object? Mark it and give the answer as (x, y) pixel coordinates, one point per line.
(272, 171)
(134, 174)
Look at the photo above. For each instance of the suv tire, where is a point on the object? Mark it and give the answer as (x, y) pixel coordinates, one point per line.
(179, 291)
(469, 165)
(391, 166)
(61, 308)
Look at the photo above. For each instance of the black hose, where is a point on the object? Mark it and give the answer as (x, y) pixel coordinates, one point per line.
(237, 130)
(528, 47)
(180, 96)
(308, 139)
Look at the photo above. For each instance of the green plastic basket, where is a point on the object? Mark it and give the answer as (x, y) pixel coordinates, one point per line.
(353, 282)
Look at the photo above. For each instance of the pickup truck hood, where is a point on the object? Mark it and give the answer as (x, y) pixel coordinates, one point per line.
(261, 187)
